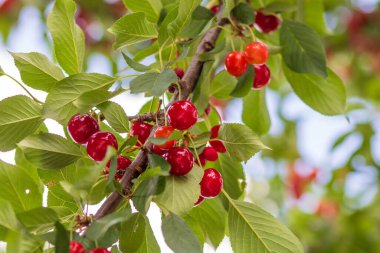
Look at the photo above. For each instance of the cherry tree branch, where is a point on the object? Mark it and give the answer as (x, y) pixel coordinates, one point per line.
(188, 84)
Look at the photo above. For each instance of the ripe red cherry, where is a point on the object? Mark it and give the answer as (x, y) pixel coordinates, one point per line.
(6, 5)
(179, 72)
(200, 200)
(219, 146)
(98, 143)
(208, 109)
(235, 63)
(99, 250)
(181, 161)
(266, 23)
(210, 154)
(158, 151)
(211, 184)
(214, 9)
(81, 127)
(256, 53)
(201, 159)
(262, 76)
(182, 115)
(122, 165)
(164, 132)
(76, 247)
(142, 130)
(215, 132)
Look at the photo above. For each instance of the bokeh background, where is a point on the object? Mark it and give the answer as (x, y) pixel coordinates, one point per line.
(321, 177)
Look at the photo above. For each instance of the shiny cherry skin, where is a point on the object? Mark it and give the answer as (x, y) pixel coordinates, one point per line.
(200, 200)
(98, 143)
(218, 146)
(181, 161)
(164, 132)
(76, 247)
(262, 76)
(179, 72)
(210, 154)
(266, 23)
(256, 53)
(182, 115)
(99, 250)
(81, 127)
(142, 131)
(211, 184)
(215, 132)
(158, 151)
(214, 9)
(235, 63)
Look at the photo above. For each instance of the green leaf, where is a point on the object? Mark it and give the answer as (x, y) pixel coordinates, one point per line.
(133, 28)
(255, 111)
(8, 217)
(327, 96)
(180, 193)
(99, 228)
(37, 71)
(184, 17)
(154, 84)
(90, 99)
(59, 103)
(202, 89)
(20, 116)
(49, 151)
(212, 218)
(241, 142)
(115, 116)
(22, 242)
(159, 161)
(232, 173)
(135, 65)
(175, 135)
(244, 83)
(19, 188)
(314, 15)
(178, 235)
(68, 38)
(222, 85)
(147, 189)
(199, 20)
(302, 49)
(62, 239)
(265, 233)
(151, 8)
(244, 13)
(40, 218)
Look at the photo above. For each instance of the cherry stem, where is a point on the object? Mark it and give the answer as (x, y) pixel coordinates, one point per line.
(195, 150)
(23, 87)
(252, 33)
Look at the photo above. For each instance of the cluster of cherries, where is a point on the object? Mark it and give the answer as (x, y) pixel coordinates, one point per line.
(77, 247)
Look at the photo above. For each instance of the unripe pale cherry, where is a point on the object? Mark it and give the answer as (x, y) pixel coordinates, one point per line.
(164, 132)
(262, 76)
(98, 143)
(256, 53)
(211, 184)
(235, 63)
(76, 247)
(182, 115)
(266, 23)
(81, 127)
(142, 131)
(181, 161)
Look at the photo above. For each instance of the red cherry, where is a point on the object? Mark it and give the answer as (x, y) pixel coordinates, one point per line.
(208, 110)
(219, 146)
(158, 151)
(262, 76)
(214, 9)
(256, 53)
(210, 154)
(142, 130)
(164, 132)
(215, 132)
(200, 200)
(98, 143)
(179, 72)
(6, 5)
(81, 127)
(122, 164)
(182, 115)
(235, 63)
(211, 184)
(99, 250)
(181, 161)
(266, 23)
(201, 159)
(76, 247)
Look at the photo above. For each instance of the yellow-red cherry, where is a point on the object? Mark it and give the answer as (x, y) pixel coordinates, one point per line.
(256, 53)
(164, 132)
(81, 127)
(182, 115)
(98, 143)
(211, 184)
(235, 63)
